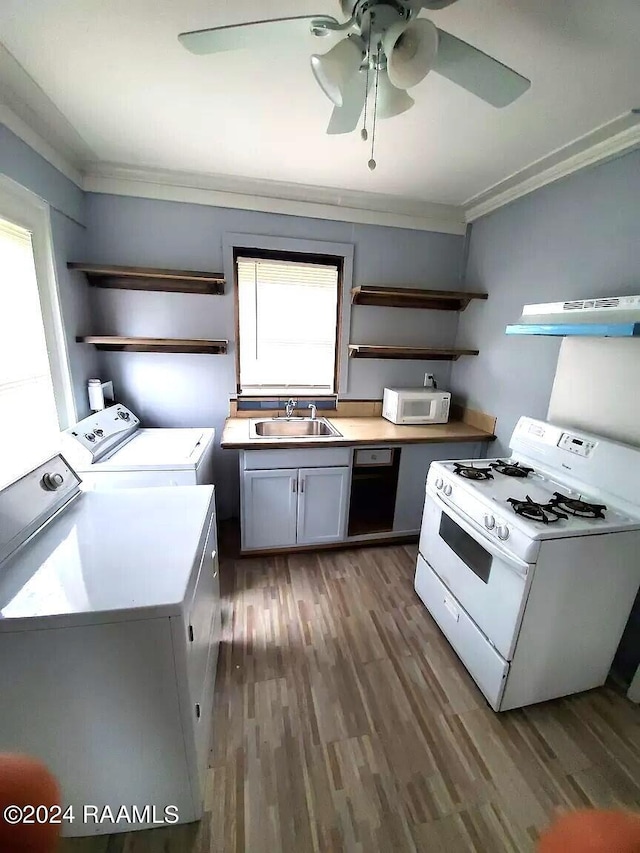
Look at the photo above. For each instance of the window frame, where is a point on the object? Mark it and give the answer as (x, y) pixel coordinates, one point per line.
(312, 251)
(296, 258)
(27, 210)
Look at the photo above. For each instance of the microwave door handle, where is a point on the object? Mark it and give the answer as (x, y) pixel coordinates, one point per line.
(478, 535)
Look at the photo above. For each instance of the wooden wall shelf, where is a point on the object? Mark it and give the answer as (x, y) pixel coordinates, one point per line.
(118, 343)
(415, 353)
(149, 278)
(411, 297)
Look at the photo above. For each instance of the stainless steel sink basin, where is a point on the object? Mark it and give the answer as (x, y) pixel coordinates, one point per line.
(293, 428)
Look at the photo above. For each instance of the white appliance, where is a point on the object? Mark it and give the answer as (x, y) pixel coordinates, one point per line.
(415, 406)
(530, 565)
(605, 309)
(110, 450)
(109, 630)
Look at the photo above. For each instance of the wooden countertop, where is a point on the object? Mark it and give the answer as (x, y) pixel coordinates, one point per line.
(355, 431)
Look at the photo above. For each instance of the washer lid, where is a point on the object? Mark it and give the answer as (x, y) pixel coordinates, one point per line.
(110, 552)
(158, 449)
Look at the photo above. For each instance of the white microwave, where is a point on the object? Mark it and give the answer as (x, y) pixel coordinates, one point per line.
(416, 406)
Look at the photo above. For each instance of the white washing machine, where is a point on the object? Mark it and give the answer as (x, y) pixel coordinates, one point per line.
(111, 450)
(109, 633)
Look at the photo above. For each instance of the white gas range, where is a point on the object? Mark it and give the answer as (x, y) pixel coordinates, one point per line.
(530, 565)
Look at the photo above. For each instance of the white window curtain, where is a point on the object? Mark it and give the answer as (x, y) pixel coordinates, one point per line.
(29, 426)
(288, 325)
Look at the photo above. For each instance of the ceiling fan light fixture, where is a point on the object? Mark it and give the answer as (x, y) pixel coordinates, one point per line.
(391, 100)
(334, 69)
(411, 50)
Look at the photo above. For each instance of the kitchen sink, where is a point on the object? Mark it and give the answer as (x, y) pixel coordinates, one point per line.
(293, 428)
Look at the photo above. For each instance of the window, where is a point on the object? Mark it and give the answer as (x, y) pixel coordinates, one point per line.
(33, 406)
(288, 321)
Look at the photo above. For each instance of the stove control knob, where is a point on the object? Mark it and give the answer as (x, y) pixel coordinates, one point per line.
(124, 415)
(99, 432)
(489, 522)
(503, 532)
(447, 489)
(51, 482)
(89, 436)
(439, 483)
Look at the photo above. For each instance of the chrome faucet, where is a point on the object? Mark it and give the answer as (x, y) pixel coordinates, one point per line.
(290, 407)
(313, 408)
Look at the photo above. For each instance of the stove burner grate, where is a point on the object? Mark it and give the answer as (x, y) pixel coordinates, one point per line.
(471, 473)
(577, 507)
(511, 469)
(546, 513)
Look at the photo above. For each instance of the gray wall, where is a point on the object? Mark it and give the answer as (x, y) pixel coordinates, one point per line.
(577, 238)
(20, 163)
(194, 390)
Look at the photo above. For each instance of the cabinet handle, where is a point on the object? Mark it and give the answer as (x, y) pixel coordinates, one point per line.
(294, 484)
(191, 633)
(301, 486)
(198, 710)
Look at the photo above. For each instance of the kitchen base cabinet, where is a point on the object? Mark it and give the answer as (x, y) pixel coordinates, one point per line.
(322, 505)
(269, 508)
(293, 506)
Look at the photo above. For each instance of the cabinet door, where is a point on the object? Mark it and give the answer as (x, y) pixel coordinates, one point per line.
(412, 478)
(269, 502)
(322, 505)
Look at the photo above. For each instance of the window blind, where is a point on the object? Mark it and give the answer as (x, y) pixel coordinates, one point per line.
(28, 419)
(288, 324)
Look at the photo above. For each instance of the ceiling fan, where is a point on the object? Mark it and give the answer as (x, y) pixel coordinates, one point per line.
(386, 49)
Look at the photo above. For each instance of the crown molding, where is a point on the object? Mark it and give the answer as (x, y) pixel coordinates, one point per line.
(29, 113)
(40, 145)
(274, 197)
(605, 142)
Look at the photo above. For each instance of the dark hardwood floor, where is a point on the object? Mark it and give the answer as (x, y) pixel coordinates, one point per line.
(344, 722)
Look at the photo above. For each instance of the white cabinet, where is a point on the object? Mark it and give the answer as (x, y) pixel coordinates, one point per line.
(293, 506)
(412, 477)
(322, 505)
(269, 508)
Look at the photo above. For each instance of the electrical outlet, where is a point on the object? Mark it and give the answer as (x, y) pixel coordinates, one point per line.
(429, 381)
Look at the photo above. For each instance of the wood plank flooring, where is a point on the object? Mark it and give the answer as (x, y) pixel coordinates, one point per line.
(344, 722)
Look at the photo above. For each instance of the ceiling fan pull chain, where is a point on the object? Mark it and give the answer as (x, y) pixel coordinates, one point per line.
(372, 163)
(364, 135)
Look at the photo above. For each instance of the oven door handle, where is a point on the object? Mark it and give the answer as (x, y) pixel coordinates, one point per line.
(479, 536)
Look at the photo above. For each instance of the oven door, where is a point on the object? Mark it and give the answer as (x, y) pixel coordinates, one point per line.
(488, 581)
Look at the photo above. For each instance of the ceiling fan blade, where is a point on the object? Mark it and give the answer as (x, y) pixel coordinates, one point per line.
(254, 34)
(477, 72)
(344, 119)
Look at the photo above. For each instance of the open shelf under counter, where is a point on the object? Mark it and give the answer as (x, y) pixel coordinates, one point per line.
(119, 343)
(151, 278)
(414, 353)
(412, 297)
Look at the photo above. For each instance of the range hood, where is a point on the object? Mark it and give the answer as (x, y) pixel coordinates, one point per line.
(609, 317)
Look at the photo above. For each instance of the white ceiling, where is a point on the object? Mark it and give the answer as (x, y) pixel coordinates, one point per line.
(116, 71)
